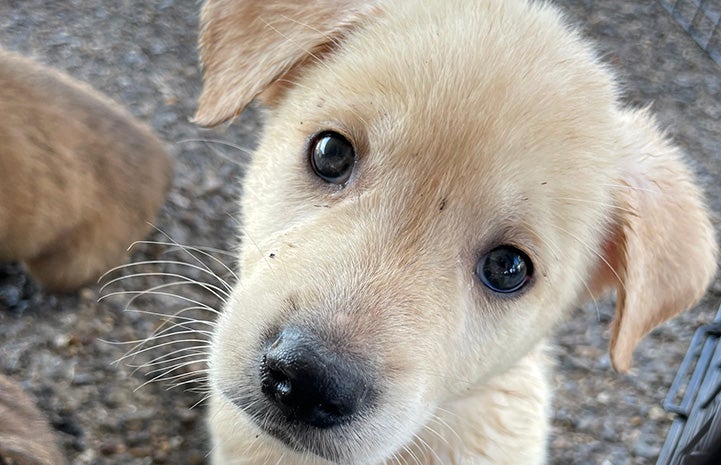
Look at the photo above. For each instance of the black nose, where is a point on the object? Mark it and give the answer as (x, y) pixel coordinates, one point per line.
(311, 383)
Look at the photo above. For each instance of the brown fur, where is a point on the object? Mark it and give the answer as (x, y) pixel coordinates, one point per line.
(476, 124)
(25, 437)
(80, 178)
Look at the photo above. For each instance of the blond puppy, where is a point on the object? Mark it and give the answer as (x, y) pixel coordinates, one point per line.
(439, 183)
(80, 178)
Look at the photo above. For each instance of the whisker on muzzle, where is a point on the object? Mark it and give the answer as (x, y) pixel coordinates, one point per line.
(221, 293)
(424, 445)
(191, 251)
(181, 294)
(211, 143)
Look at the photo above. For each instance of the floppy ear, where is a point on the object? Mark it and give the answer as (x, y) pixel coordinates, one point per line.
(247, 45)
(661, 245)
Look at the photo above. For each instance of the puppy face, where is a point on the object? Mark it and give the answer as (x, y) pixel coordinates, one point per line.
(436, 187)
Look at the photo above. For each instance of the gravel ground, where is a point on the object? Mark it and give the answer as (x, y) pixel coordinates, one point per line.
(143, 55)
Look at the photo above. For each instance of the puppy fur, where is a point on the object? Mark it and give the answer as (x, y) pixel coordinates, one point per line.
(25, 435)
(475, 124)
(80, 178)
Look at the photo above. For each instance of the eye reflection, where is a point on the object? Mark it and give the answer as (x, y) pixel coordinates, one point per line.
(504, 269)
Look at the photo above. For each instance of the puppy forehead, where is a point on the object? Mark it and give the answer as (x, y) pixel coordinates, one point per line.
(476, 86)
(503, 116)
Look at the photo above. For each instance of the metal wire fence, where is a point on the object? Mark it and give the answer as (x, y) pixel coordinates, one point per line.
(702, 20)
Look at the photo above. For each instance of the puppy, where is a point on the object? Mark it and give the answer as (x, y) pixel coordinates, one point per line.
(25, 436)
(80, 178)
(439, 183)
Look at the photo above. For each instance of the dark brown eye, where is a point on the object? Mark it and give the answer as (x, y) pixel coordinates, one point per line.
(504, 269)
(332, 157)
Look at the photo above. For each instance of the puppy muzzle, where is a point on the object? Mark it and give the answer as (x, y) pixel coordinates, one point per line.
(305, 390)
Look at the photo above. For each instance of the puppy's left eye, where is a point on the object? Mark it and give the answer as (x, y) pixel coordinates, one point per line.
(504, 269)
(332, 157)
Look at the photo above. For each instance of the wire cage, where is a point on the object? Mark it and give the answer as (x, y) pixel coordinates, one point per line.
(702, 20)
(695, 397)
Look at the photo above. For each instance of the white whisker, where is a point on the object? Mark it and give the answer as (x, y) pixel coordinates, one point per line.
(202, 269)
(430, 449)
(244, 150)
(161, 377)
(170, 369)
(628, 186)
(556, 253)
(595, 252)
(174, 357)
(434, 418)
(412, 455)
(153, 291)
(188, 250)
(176, 316)
(135, 352)
(443, 423)
(596, 202)
(218, 292)
(202, 400)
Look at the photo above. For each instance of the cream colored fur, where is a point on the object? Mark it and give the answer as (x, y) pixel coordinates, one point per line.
(476, 124)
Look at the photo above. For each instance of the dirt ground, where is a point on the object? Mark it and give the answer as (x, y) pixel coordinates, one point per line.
(143, 54)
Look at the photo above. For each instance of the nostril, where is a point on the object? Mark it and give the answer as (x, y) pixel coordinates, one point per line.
(275, 382)
(283, 388)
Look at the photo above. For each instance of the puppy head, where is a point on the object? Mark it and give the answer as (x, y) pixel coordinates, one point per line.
(436, 187)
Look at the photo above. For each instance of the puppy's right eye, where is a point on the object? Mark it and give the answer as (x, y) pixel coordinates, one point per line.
(332, 157)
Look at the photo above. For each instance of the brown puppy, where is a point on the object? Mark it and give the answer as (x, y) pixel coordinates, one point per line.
(25, 436)
(80, 178)
(439, 183)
